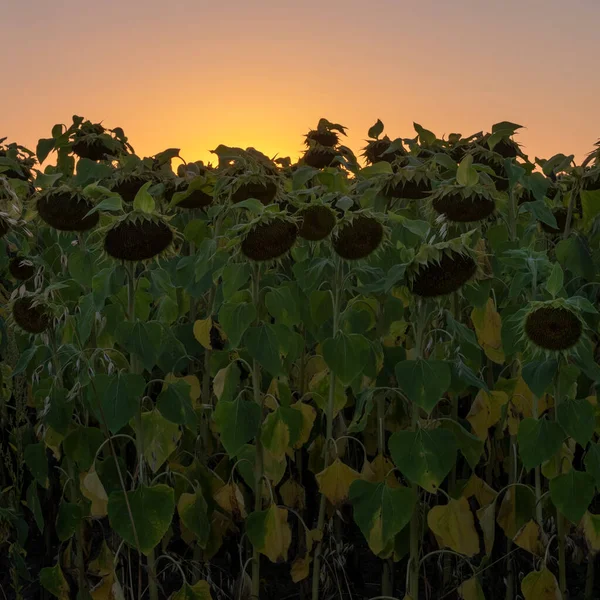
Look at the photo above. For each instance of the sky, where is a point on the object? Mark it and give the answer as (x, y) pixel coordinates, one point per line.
(193, 74)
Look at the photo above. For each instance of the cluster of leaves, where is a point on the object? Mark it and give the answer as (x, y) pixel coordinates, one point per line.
(222, 363)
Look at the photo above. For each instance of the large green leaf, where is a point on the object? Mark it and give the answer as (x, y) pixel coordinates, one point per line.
(69, 517)
(81, 267)
(142, 339)
(424, 456)
(235, 319)
(159, 436)
(572, 493)
(470, 445)
(592, 462)
(193, 512)
(577, 418)
(237, 423)
(381, 511)
(538, 375)
(37, 462)
(346, 355)
(280, 430)
(234, 276)
(281, 304)
(263, 345)
(174, 404)
(575, 255)
(33, 503)
(424, 381)
(539, 440)
(81, 445)
(53, 580)
(152, 510)
(119, 396)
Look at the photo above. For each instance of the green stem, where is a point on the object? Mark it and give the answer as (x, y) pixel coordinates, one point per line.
(560, 522)
(570, 209)
(136, 367)
(258, 461)
(337, 289)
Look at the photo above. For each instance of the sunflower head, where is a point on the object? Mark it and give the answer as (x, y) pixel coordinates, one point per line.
(268, 237)
(463, 204)
(316, 222)
(359, 234)
(553, 327)
(443, 268)
(21, 268)
(590, 181)
(411, 182)
(383, 149)
(66, 209)
(139, 237)
(30, 314)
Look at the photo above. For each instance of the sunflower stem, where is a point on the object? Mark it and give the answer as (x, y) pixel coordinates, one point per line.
(136, 367)
(258, 461)
(570, 210)
(337, 290)
(560, 522)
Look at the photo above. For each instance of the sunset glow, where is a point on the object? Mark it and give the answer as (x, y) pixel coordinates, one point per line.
(194, 74)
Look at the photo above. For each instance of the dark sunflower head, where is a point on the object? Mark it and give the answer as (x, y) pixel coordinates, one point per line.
(138, 238)
(192, 198)
(410, 183)
(377, 150)
(443, 277)
(553, 327)
(322, 137)
(459, 204)
(4, 227)
(269, 239)
(65, 209)
(127, 185)
(29, 315)
(358, 237)
(316, 222)
(261, 188)
(319, 157)
(21, 268)
(590, 181)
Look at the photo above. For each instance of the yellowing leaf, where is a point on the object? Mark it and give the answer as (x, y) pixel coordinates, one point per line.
(488, 327)
(396, 334)
(160, 438)
(103, 564)
(293, 495)
(93, 490)
(529, 538)
(486, 411)
(202, 329)
(378, 470)
(309, 414)
(454, 527)
(590, 524)
(301, 568)
(274, 468)
(199, 591)
(540, 585)
(566, 462)
(191, 380)
(486, 516)
(53, 439)
(471, 590)
(270, 533)
(319, 386)
(479, 489)
(230, 499)
(335, 481)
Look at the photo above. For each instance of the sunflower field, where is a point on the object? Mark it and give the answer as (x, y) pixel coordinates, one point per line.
(343, 377)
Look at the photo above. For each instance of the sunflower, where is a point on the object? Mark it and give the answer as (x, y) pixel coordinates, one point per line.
(358, 235)
(443, 268)
(139, 236)
(316, 222)
(30, 314)
(319, 157)
(463, 204)
(553, 327)
(412, 182)
(66, 209)
(381, 150)
(21, 268)
(270, 239)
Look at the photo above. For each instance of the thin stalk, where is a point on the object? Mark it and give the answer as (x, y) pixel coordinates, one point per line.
(258, 461)
(570, 209)
(560, 522)
(139, 438)
(336, 292)
(589, 578)
(75, 495)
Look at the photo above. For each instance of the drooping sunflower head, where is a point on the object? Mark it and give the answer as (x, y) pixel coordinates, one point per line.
(268, 237)
(383, 149)
(21, 268)
(359, 234)
(326, 134)
(316, 222)
(410, 182)
(66, 209)
(590, 181)
(443, 268)
(553, 327)
(463, 204)
(139, 237)
(560, 214)
(30, 314)
(95, 142)
(482, 155)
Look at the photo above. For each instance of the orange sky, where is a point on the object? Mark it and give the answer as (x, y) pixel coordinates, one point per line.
(194, 73)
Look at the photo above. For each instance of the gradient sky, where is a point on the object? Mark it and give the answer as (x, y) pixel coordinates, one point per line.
(193, 73)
